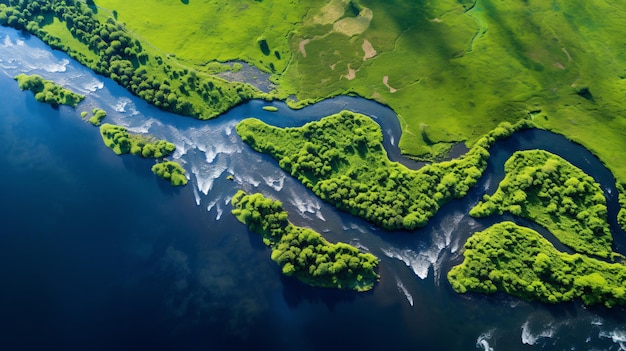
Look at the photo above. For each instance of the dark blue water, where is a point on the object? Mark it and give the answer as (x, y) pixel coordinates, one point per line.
(97, 253)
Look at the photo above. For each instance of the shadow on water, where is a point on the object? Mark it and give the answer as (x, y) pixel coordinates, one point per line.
(295, 293)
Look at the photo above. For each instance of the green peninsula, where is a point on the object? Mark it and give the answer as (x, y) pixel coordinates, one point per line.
(551, 191)
(47, 91)
(520, 262)
(172, 171)
(303, 253)
(119, 140)
(341, 158)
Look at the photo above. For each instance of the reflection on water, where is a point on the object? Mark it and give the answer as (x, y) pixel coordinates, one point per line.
(181, 272)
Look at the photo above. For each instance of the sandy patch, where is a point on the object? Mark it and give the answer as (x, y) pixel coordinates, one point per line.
(332, 67)
(368, 50)
(351, 73)
(331, 12)
(386, 82)
(302, 45)
(569, 57)
(354, 25)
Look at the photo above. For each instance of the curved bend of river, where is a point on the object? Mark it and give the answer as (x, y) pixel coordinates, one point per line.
(98, 253)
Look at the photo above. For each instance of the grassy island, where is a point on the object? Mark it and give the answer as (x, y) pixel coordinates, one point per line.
(47, 91)
(119, 140)
(341, 158)
(303, 253)
(172, 171)
(98, 115)
(551, 191)
(520, 262)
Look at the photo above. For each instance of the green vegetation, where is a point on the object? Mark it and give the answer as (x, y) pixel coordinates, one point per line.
(47, 91)
(270, 108)
(119, 140)
(341, 158)
(432, 62)
(104, 45)
(520, 262)
(549, 190)
(303, 253)
(621, 216)
(98, 116)
(172, 171)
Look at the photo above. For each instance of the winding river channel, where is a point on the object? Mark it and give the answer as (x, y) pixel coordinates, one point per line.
(96, 253)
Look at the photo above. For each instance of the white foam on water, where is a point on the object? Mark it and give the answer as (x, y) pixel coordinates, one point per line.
(246, 179)
(58, 67)
(275, 181)
(402, 289)
(206, 174)
(308, 205)
(530, 338)
(144, 127)
(93, 86)
(417, 261)
(483, 341)
(597, 321)
(618, 336)
(211, 205)
(220, 211)
(196, 195)
(121, 104)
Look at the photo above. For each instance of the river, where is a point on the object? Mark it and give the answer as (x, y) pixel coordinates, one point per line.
(97, 253)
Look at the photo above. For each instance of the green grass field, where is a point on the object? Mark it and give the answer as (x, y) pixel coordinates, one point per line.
(447, 67)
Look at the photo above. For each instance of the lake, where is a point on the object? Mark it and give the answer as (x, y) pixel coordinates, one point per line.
(97, 253)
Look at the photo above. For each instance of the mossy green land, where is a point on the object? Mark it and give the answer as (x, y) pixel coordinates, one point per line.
(47, 91)
(621, 216)
(172, 171)
(118, 139)
(341, 158)
(104, 45)
(303, 253)
(551, 191)
(451, 69)
(519, 261)
(98, 115)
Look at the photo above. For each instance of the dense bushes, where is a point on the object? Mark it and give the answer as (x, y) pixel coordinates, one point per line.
(549, 190)
(47, 91)
(341, 158)
(121, 142)
(172, 171)
(303, 253)
(520, 262)
(621, 216)
(98, 115)
(108, 49)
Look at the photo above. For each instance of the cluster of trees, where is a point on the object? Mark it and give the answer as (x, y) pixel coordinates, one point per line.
(621, 216)
(520, 262)
(172, 171)
(98, 115)
(341, 158)
(302, 252)
(112, 51)
(551, 191)
(118, 139)
(47, 91)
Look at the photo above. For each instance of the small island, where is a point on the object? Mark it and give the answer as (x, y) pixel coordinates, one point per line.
(545, 188)
(118, 139)
(172, 171)
(47, 91)
(98, 115)
(302, 252)
(519, 261)
(342, 159)
(270, 108)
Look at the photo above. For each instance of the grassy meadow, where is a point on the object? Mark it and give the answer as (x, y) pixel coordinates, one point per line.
(452, 70)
